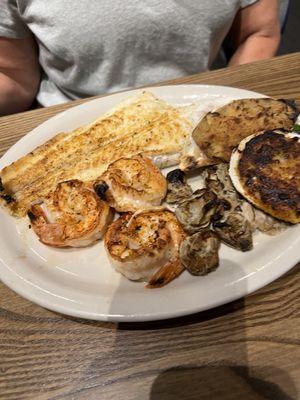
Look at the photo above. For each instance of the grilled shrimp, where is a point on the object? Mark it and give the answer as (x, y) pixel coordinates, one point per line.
(72, 216)
(132, 184)
(146, 246)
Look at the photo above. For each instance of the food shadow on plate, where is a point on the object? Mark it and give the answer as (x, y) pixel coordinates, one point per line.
(184, 296)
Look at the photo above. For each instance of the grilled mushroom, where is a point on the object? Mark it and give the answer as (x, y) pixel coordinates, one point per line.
(217, 179)
(199, 252)
(235, 231)
(178, 188)
(195, 213)
(232, 227)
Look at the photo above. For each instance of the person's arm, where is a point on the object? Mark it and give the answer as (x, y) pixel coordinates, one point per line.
(255, 33)
(19, 74)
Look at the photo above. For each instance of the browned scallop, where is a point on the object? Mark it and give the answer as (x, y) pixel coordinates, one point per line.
(145, 247)
(132, 184)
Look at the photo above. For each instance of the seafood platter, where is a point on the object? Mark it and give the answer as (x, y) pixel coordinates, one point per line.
(159, 188)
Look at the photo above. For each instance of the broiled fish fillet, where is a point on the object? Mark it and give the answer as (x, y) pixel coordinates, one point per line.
(143, 124)
(222, 130)
(265, 169)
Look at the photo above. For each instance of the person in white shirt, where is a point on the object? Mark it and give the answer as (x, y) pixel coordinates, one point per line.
(57, 51)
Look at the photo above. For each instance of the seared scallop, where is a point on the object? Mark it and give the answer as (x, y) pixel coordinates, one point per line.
(132, 184)
(145, 247)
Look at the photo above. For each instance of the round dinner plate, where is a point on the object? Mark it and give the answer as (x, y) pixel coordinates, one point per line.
(81, 282)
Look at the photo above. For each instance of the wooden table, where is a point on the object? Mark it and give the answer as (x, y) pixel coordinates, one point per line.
(248, 349)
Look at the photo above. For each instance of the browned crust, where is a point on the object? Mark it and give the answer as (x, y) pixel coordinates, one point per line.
(79, 214)
(166, 274)
(116, 244)
(269, 171)
(142, 181)
(219, 132)
(144, 125)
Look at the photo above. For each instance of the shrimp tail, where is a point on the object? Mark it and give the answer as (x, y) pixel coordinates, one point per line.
(165, 274)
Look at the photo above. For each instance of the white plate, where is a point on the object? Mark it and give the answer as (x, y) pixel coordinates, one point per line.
(81, 282)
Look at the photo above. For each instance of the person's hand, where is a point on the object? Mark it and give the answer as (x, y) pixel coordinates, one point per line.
(255, 33)
(19, 74)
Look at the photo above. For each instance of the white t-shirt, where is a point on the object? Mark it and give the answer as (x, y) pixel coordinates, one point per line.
(90, 47)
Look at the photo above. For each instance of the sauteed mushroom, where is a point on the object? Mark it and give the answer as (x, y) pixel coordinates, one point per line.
(229, 223)
(195, 213)
(235, 231)
(199, 252)
(178, 188)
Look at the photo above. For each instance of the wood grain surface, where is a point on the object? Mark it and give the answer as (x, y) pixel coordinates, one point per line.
(248, 349)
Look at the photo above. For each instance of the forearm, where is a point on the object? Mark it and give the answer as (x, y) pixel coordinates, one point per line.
(13, 96)
(19, 74)
(255, 48)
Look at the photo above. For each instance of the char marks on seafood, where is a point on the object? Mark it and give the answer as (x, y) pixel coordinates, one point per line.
(132, 184)
(72, 216)
(265, 169)
(146, 246)
(220, 131)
